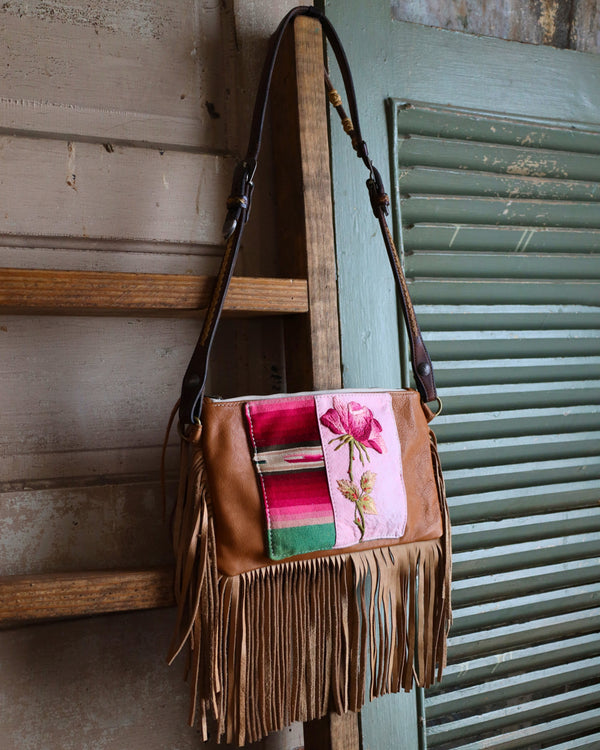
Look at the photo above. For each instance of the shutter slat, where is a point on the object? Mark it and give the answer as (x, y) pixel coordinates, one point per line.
(494, 587)
(501, 235)
(542, 735)
(517, 529)
(475, 453)
(436, 264)
(491, 157)
(476, 372)
(477, 237)
(501, 317)
(497, 689)
(465, 399)
(520, 608)
(473, 209)
(537, 499)
(517, 422)
(522, 709)
(526, 554)
(503, 638)
(515, 344)
(516, 662)
(461, 481)
(505, 291)
(448, 122)
(431, 180)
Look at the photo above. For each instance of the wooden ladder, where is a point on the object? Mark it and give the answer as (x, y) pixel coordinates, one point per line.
(307, 298)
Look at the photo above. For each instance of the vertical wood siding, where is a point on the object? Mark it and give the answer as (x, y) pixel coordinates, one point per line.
(119, 128)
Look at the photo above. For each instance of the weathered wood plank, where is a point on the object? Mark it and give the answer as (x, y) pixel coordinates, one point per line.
(305, 230)
(70, 189)
(79, 254)
(333, 732)
(101, 682)
(72, 524)
(89, 397)
(121, 71)
(304, 205)
(49, 596)
(35, 291)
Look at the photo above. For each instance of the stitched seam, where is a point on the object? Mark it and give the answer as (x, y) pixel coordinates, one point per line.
(408, 305)
(223, 274)
(260, 474)
(326, 462)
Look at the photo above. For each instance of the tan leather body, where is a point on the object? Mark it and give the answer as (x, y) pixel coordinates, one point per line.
(239, 517)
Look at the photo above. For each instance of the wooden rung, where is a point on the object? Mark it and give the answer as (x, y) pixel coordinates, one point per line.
(48, 596)
(70, 292)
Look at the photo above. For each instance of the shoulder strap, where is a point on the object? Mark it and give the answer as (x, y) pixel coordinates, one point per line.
(238, 210)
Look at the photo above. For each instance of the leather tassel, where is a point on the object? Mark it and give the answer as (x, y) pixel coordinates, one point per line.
(294, 641)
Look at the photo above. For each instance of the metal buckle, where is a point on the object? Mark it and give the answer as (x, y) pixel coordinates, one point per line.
(242, 188)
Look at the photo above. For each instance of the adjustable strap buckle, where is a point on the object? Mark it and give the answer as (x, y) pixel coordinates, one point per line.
(240, 199)
(379, 198)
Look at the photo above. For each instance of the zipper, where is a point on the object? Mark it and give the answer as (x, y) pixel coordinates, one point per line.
(306, 393)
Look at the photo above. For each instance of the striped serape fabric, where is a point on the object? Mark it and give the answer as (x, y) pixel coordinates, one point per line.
(289, 461)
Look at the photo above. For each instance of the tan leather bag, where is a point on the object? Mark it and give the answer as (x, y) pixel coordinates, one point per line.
(362, 605)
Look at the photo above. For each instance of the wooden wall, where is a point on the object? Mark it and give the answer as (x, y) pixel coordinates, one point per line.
(119, 127)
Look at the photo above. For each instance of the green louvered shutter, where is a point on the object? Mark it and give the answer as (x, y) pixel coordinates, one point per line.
(501, 231)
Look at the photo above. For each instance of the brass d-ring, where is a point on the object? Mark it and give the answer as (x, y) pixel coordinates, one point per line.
(440, 405)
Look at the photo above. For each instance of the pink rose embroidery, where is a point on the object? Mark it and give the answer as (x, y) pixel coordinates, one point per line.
(357, 428)
(354, 421)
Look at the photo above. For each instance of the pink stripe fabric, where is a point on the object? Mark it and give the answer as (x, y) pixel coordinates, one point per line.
(284, 422)
(297, 489)
(291, 475)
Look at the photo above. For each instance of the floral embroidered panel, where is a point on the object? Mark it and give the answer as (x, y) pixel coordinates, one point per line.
(329, 470)
(364, 468)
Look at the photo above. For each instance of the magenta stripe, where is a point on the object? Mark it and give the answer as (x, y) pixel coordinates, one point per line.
(283, 423)
(297, 488)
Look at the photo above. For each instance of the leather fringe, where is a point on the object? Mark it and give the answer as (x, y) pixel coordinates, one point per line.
(297, 640)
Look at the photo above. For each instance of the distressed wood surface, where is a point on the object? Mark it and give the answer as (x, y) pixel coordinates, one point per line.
(333, 732)
(85, 400)
(305, 226)
(72, 189)
(101, 683)
(35, 291)
(53, 595)
(119, 129)
(64, 526)
(568, 24)
(119, 71)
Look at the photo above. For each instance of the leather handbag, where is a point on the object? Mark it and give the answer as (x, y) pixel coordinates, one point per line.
(311, 530)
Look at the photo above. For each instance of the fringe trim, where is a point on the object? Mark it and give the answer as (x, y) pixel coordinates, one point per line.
(298, 640)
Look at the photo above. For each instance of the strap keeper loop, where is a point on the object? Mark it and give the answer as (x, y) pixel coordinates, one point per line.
(238, 203)
(380, 200)
(235, 201)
